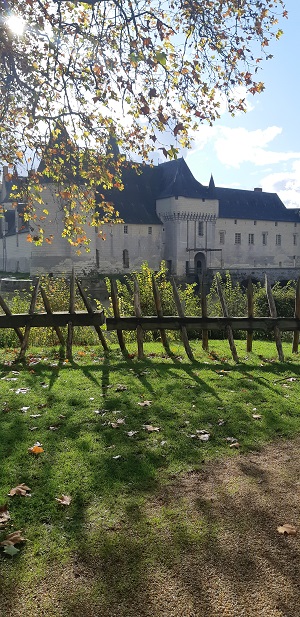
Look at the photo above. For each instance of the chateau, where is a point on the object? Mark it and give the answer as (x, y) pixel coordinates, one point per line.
(167, 215)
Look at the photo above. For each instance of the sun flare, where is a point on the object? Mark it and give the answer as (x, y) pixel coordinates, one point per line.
(16, 24)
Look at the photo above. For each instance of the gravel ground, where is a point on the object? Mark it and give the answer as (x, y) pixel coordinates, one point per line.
(242, 566)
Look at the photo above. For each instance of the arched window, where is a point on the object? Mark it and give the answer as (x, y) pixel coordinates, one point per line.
(125, 259)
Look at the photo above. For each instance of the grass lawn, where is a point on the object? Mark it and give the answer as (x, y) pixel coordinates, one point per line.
(117, 433)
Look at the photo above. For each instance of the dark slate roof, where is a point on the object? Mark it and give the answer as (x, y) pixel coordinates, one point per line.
(241, 204)
(144, 184)
(177, 180)
(136, 204)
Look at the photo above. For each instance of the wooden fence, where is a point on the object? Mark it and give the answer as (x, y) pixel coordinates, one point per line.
(159, 322)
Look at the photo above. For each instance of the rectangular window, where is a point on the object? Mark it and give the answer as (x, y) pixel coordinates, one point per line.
(125, 229)
(251, 239)
(235, 221)
(295, 224)
(295, 239)
(149, 231)
(237, 239)
(200, 228)
(222, 237)
(278, 239)
(276, 223)
(254, 222)
(264, 238)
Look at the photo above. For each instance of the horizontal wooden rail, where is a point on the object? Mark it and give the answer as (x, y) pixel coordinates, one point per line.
(266, 324)
(46, 320)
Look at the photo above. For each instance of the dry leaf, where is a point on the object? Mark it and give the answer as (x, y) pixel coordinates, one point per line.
(151, 429)
(204, 437)
(4, 515)
(120, 388)
(35, 415)
(36, 449)
(117, 457)
(61, 416)
(231, 439)
(235, 445)
(145, 404)
(21, 489)
(256, 416)
(131, 433)
(113, 424)
(121, 421)
(24, 409)
(287, 529)
(12, 539)
(53, 428)
(22, 390)
(64, 500)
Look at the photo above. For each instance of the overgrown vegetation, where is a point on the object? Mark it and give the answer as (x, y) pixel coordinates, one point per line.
(114, 432)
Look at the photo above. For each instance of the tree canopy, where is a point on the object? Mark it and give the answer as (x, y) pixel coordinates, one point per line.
(76, 78)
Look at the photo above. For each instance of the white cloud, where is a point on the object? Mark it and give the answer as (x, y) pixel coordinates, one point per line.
(286, 185)
(238, 145)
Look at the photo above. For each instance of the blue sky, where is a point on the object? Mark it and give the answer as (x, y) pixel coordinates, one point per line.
(261, 147)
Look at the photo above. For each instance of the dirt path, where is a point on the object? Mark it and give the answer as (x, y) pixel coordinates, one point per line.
(216, 554)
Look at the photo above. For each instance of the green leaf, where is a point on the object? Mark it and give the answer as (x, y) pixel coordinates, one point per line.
(11, 550)
(161, 58)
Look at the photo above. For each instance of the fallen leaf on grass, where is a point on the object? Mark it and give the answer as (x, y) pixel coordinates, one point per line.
(36, 449)
(120, 388)
(33, 428)
(11, 550)
(117, 457)
(62, 417)
(287, 529)
(64, 500)
(231, 439)
(35, 415)
(203, 435)
(221, 422)
(145, 403)
(21, 489)
(24, 409)
(151, 429)
(256, 416)
(131, 433)
(22, 390)
(4, 515)
(42, 405)
(53, 428)
(13, 538)
(235, 445)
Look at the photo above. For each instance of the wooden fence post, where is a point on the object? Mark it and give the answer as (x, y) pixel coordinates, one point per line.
(116, 309)
(7, 311)
(204, 312)
(159, 312)
(228, 329)
(48, 309)
(25, 341)
(297, 315)
(250, 313)
(183, 330)
(71, 310)
(90, 310)
(138, 313)
(273, 312)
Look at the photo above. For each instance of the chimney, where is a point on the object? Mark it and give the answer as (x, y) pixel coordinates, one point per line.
(258, 189)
